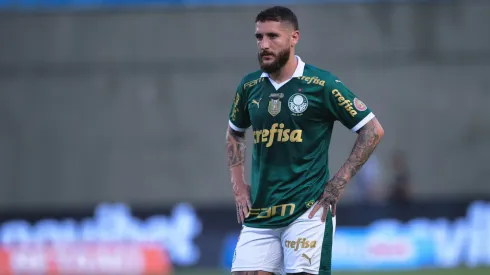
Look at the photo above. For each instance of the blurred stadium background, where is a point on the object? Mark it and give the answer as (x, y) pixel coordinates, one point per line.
(113, 114)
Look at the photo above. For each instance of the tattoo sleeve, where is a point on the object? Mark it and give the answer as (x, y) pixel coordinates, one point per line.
(368, 138)
(236, 149)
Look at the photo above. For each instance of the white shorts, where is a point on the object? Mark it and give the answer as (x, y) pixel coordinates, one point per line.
(303, 246)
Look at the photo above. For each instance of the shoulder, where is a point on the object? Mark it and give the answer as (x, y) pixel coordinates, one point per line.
(318, 76)
(323, 74)
(251, 79)
(331, 84)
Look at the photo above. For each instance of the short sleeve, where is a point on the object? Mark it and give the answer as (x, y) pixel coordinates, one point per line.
(239, 118)
(345, 106)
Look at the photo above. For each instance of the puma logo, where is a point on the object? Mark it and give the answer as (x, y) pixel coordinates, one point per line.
(306, 257)
(256, 102)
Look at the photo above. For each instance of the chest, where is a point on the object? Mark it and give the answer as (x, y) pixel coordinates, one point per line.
(294, 104)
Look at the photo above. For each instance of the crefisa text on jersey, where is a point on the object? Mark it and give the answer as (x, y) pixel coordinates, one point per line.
(283, 135)
(347, 104)
(312, 79)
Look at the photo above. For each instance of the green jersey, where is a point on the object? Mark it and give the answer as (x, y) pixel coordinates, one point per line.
(292, 125)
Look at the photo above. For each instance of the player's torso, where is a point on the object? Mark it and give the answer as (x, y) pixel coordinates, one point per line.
(279, 117)
(291, 136)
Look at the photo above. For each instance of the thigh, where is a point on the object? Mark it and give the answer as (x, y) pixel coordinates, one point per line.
(258, 251)
(307, 245)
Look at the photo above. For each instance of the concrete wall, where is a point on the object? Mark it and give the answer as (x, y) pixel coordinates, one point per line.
(133, 105)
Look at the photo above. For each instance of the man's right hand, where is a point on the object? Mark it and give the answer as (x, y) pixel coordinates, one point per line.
(242, 200)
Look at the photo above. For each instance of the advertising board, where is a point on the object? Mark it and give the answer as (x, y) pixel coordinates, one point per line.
(115, 240)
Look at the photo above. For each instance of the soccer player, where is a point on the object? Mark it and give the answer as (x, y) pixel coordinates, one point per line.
(288, 211)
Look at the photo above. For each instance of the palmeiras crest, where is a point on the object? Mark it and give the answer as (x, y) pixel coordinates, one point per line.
(275, 103)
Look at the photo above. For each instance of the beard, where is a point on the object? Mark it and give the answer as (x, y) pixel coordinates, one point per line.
(281, 58)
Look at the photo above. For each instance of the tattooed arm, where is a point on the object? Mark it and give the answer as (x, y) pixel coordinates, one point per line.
(368, 138)
(236, 149)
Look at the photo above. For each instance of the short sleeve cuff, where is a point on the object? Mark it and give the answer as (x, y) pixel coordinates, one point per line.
(361, 123)
(235, 128)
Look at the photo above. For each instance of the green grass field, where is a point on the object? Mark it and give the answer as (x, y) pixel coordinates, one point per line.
(461, 271)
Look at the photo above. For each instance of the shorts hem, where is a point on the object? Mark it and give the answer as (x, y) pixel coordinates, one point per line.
(302, 270)
(266, 269)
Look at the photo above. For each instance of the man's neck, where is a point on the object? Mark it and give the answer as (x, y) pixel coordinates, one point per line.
(286, 72)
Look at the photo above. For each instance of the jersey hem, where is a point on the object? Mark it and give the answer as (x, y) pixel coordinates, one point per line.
(363, 122)
(277, 226)
(236, 128)
(253, 225)
(286, 224)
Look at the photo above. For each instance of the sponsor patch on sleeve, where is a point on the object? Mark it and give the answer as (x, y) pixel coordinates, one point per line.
(360, 106)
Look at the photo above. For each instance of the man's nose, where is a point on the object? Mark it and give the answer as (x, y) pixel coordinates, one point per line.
(264, 44)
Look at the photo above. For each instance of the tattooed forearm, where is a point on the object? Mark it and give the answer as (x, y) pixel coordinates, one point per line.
(235, 147)
(336, 187)
(367, 140)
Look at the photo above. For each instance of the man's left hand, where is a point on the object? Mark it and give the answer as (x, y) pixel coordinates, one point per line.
(331, 195)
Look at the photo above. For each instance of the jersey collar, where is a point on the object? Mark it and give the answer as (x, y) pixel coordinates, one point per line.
(297, 73)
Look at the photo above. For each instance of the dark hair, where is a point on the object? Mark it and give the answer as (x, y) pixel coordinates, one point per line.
(278, 14)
